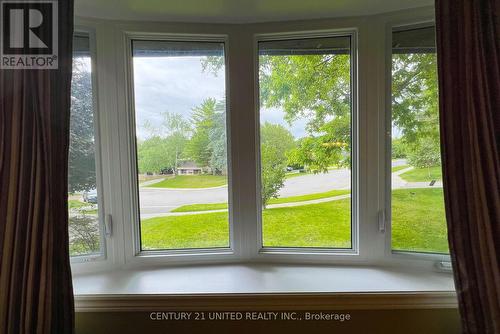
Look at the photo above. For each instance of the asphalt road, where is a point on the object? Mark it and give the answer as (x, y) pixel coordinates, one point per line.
(158, 200)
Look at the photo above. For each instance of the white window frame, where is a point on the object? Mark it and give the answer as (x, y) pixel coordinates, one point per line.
(173, 255)
(88, 32)
(371, 48)
(279, 252)
(389, 252)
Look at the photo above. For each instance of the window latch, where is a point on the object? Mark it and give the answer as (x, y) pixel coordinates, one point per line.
(108, 226)
(381, 221)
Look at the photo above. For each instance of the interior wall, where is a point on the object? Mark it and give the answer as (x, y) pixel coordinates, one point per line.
(418, 321)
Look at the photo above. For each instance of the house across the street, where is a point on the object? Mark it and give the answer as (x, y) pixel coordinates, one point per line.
(188, 168)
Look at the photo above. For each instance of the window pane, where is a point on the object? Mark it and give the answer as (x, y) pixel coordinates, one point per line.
(84, 226)
(305, 142)
(418, 217)
(181, 144)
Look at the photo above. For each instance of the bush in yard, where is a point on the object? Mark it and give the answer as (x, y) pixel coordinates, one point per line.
(273, 167)
(83, 233)
(399, 149)
(425, 153)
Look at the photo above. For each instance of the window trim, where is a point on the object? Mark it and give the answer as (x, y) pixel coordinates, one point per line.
(180, 254)
(304, 252)
(84, 31)
(391, 254)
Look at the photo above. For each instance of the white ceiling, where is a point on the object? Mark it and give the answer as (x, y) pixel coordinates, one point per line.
(236, 11)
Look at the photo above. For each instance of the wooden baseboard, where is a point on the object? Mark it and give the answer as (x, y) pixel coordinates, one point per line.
(242, 302)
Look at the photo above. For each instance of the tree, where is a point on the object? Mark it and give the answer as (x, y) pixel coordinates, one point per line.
(415, 96)
(81, 159)
(155, 154)
(218, 142)
(208, 145)
(329, 146)
(202, 121)
(415, 109)
(178, 131)
(276, 143)
(272, 174)
(425, 153)
(317, 88)
(276, 135)
(165, 144)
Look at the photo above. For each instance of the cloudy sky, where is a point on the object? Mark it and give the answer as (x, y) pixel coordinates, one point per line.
(178, 84)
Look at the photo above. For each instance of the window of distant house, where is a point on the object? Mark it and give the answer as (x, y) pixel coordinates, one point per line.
(182, 165)
(85, 228)
(417, 205)
(306, 113)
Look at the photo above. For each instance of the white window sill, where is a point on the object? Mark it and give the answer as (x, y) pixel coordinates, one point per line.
(286, 285)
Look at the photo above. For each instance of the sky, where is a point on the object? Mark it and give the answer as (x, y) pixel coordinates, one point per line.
(178, 84)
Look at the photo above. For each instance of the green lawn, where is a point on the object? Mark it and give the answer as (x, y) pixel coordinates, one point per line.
(87, 208)
(143, 179)
(418, 225)
(190, 231)
(201, 207)
(192, 181)
(422, 174)
(315, 225)
(418, 220)
(291, 199)
(75, 204)
(398, 168)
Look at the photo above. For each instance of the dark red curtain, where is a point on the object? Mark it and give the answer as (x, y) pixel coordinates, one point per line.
(36, 293)
(468, 49)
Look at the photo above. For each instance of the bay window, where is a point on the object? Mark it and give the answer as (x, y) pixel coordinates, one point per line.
(263, 143)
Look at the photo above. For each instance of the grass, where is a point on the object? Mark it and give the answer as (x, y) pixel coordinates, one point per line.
(315, 225)
(146, 178)
(190, 231)
(87, 208)
(398, 168)
(418, 225)
(75, 204)
(200, 207)
(291, 199)
(422, 174)
(192, 181)
(418, 220)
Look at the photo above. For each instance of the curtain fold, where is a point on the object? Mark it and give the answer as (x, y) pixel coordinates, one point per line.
(468, 49)
(36, 294)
